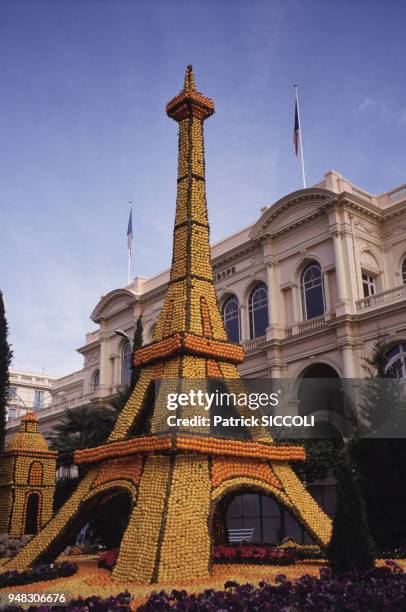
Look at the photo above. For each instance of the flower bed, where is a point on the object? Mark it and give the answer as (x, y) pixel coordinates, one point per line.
(269, 555)
(38, 574)
(11, 545)
(266, 554)
(108, 558)
(380, 588)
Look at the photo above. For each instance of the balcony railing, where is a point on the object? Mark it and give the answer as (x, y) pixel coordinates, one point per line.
(397, 194)
(250, 345)
(303, 327)
(306, 326)
(384, 297)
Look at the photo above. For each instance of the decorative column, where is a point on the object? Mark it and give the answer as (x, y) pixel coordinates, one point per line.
(105, 368)
(295, 296)
(348, 361)
(327, 296)
(244, 323)
(274, 325)
(342, 296)
(351, 269)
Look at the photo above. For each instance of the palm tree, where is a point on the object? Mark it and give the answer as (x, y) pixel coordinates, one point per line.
(82, 427)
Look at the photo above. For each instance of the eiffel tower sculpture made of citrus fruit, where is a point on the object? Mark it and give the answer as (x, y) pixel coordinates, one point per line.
(177, 479)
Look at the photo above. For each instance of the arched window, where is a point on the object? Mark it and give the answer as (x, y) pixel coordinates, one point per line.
(126, 364)
(404, 271)
(396, 357)
(258, 311)
(368, 283)
(35, 473)
(312, 288)
(268, 521)
(96, 381)
(231, 318)
(32, 514)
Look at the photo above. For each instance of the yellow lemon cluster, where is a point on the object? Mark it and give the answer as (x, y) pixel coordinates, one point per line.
(27, 467)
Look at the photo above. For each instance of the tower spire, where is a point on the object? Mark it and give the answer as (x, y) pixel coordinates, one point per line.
(190, 82)
(190, 321)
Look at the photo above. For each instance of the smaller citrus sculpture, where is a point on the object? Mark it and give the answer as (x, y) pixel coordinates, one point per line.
(27, 481)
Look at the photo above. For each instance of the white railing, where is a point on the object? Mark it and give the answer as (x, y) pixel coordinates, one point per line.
(363, 194)
(68, 379)
(398, 193)
(305, 326)
(250, 345)
(385, 297)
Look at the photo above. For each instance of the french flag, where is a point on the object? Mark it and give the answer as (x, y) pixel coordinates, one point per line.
(130, 230)
(296, 130)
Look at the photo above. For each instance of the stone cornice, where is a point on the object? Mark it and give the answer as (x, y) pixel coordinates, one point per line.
(234, 254)
(304, 195)
(97, 314)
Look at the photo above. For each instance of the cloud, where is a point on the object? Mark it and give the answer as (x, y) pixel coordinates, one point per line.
(365, 104)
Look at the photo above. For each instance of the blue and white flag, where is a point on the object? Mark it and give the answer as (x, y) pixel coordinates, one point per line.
(130, 230)
(296, 130)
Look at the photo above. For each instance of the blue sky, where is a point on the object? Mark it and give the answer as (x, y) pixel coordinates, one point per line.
(82, 130)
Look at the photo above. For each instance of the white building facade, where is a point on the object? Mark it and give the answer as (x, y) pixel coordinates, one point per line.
(29, 391)
(307, 290)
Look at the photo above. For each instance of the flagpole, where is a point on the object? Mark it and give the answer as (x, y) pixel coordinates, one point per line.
(130, 247)
(300, 136)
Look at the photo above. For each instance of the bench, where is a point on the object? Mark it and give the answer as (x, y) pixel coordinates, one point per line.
(240, 535)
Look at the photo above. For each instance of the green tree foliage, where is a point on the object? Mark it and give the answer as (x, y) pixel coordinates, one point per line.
(381, 465)
(322, 458)
(6, 355)
(81, 427)
(351, 545)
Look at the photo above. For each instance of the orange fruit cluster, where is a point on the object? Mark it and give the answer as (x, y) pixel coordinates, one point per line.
(123, 448)
(224, 468)
(237, 448)
(158, 350)
(128, 468)
(215, 348)
(189, 100)
(185, 342)
(213, 369)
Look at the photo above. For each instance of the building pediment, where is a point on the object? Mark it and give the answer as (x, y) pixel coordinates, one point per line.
(111, 303)
(292, 210)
